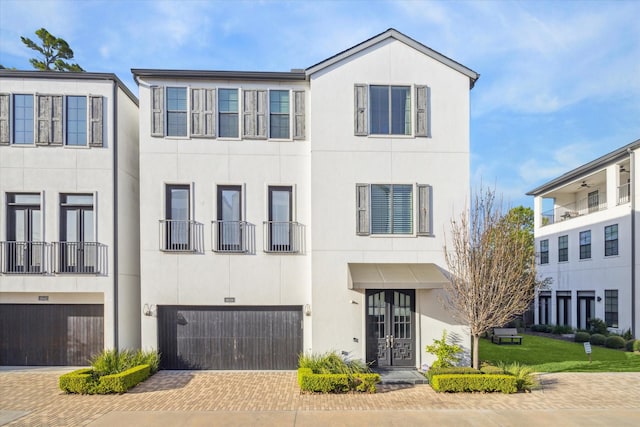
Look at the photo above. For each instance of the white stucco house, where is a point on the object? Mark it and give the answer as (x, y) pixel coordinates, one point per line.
(586, 234)
(283, 212)
(69, 251)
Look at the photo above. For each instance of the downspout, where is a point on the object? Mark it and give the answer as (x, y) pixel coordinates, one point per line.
(115, 216)
(632, 194)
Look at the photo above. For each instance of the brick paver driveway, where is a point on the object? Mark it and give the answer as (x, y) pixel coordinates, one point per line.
(36, 394)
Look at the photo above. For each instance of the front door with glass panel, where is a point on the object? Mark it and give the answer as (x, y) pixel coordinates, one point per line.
(391, 327)
(77, 250)
(24, 248)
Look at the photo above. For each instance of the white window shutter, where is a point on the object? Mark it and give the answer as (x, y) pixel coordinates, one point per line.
(5, 108)
(362, 209)
(196, 112)
(424, 210)
(209, 113)
(157, 110)
(423, 111)
(96, 121)
(56, 120)
(43, 118)
(261, 114)
(249, 125)
(361, 101)
(299, 115)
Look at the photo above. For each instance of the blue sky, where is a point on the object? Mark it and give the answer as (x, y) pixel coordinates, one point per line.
(559, 85)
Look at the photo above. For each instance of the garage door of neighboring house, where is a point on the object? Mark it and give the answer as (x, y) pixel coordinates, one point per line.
(50, 334)
(247, 337)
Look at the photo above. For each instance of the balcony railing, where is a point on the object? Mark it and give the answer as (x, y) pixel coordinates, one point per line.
(624, 192)
(181, 236)
(573, 210)
(284, 237)
(25, 257)
(234, 237)
(80, 258)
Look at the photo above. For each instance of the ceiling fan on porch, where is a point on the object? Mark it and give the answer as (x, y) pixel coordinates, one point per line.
(584, 185)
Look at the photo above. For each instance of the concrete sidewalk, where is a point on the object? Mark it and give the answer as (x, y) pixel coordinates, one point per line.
(196, 398)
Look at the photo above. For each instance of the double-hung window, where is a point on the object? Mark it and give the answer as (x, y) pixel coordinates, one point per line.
(76, 120)
(585, 244)
(176, 111)
(390, 108)
(544, 251)
(390, 209)
(611, 240)
(279, 114)
(563, 248)
(23, 119)
(228, 113)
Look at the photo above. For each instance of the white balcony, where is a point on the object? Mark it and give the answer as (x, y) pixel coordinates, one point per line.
(233, 237)
(284, 237)
(25, 257)
(181, 236)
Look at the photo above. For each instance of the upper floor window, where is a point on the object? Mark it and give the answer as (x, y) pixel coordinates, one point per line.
(23, 119)
(611, 240)
(23, 250)
(389, 209)
(176, 111)
(585, 244)
(544, 251)
(43, 119)
(388, 110)
(228, 113)
(563, 248)
(279, 114)
(76, 120)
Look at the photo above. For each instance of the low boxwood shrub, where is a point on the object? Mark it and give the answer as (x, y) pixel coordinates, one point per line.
(79, 381)
(454, 370)
(614, 342)
(119, 383)
(597, 339)
(469, 383)
(336, 383)
(598, 326)
(489, 369)
(582, 337)
(562, 329)
(542, 328)
(632, 345)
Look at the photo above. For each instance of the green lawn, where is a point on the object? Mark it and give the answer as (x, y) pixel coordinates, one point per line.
(551, 355)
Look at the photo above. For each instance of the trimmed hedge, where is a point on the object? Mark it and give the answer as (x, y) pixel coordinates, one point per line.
(582, 336)
(336, 383)
(491, 370)
(614, 342)
(83, 381)
(79, 381)
(469, 383)
(632, 345)
(597, 339)
(454, 370)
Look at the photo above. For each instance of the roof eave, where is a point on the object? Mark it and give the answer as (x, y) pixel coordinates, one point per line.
(584, 169)
(220, 75)
(397, 35)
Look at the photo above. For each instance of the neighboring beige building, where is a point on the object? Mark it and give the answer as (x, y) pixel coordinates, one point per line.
(586, 229)
(283, 212)
(69, 202)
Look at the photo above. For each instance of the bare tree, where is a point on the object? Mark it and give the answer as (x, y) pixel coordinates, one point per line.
(492, 268)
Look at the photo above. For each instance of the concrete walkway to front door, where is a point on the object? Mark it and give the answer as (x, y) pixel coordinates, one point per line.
(196, 398)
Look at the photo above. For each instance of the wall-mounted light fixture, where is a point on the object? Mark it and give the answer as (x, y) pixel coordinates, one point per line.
(307, 309)
(149, 309)
(599, 299)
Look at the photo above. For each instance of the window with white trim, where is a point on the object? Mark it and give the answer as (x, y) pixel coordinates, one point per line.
(176, 111)
(389, 110)
(544, 251)
(563, 248)
(390, 209)
(611, 307)
(611, 240)
(279, 114)
(228, 113)
(585, 244)
(23, 119)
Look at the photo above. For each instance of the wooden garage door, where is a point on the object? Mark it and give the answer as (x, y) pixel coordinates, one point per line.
(194, 337)
(50, 334)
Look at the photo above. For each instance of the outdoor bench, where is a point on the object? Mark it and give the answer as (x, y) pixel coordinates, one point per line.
(506, 334)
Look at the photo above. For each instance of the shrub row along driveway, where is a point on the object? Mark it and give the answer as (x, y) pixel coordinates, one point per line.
(35, 393)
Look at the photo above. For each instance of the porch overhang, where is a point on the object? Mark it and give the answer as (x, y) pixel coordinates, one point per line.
(396, 276)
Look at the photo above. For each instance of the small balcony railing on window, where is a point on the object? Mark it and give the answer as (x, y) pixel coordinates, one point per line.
(573, 210)
(80, 258)
(25, 257)
(234, 237)
(624, 192)
(284, 237)
(181, 236)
